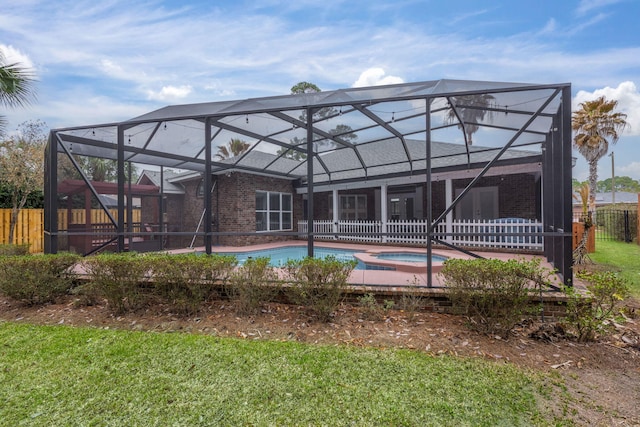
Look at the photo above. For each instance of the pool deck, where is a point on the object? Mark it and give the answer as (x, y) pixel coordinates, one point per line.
(408, 274)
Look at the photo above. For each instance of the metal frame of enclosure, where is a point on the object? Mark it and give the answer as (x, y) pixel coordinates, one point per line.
(337, 137)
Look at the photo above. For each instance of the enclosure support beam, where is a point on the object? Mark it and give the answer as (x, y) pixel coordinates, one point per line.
(310, 158)
(207, 186)
(565, 143)
(427, 118)
(51, 196)
(121, 179)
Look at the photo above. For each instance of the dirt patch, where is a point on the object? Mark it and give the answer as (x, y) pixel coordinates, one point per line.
(602, 379)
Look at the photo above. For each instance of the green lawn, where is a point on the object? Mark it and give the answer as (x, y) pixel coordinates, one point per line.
(621, 257)
(57, 375)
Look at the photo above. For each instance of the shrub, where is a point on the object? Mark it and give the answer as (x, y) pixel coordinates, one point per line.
(372, 309)
(318, 284)
(185, 281)
(411, 300)
(493, 294)
(36, 279)
(251, 285)
(589, 314)
(9, 249)
(120, 278)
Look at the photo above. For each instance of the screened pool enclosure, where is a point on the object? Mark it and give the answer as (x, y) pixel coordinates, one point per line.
(273, 168)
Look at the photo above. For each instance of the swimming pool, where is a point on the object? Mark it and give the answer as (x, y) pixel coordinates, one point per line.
(366, 259)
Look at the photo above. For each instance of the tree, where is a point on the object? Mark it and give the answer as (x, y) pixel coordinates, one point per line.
(623, 183)
(22, 166)
(304, 87)
(94, 168)
(469, 111)
(234, 148)
(294, 154)
(16, 87)
(596, 125)
(341, 131)
(575, 184)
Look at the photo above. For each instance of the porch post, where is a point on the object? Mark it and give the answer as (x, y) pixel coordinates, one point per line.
(448, 196)
(383, 210)
(336, 214)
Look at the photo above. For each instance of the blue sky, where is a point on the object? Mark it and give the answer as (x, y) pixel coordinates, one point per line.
(98, 62)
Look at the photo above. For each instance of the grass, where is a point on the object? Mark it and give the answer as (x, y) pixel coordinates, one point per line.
(58, 375)
(621, 257)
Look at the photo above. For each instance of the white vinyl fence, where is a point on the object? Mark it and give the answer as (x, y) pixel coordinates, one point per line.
(511, 233)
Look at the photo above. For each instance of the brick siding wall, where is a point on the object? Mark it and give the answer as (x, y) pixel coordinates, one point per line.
(518, 195)
(235, 204)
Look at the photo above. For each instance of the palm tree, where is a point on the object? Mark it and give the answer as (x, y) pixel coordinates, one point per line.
(472, 110)
(234, 148)
(596, 125)
(16, 87)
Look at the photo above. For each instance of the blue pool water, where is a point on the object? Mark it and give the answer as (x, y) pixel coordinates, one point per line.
(280, 256)
(409, 257)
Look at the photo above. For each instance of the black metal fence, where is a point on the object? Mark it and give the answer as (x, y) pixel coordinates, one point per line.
(616, 224)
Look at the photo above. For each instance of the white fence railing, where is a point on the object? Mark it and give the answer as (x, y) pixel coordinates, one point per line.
(505, 233)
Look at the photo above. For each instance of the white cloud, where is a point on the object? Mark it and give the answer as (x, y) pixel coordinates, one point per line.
(112, 69)
(14, 56)
(632, 170)
(586, 6)
(628, 99)
(550, 27)
(219, 90)
(168, 93)
(376, 77)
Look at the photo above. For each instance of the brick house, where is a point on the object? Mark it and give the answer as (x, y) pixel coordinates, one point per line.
(242, 203)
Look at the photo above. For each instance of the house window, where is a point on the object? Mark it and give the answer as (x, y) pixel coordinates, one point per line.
(352, 206)
(274, 211)
(200, 190)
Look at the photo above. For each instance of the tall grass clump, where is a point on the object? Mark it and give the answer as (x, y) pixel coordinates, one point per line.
(252, 284)
(36, 279)
(493, 294)
(185, 281)
(318, 284)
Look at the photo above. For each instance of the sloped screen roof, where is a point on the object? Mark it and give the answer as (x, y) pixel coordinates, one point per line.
(357, 133)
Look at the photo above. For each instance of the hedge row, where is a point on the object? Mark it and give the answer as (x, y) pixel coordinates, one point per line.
(130, 281)
(494, 295)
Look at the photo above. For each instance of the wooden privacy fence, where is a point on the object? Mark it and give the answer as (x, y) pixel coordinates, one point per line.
(30, 226)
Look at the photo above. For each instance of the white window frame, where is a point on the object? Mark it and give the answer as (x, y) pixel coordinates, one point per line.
(268, 211)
